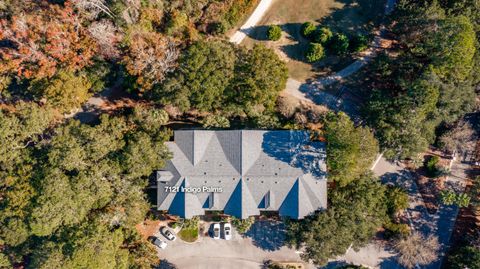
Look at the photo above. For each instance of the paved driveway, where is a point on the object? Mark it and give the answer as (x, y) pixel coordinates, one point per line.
(263, 242)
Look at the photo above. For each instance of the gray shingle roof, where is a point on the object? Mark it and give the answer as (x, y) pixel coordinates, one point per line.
(255, 170)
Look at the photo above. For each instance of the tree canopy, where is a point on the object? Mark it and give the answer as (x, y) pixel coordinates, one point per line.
(350, 151)
(355, 212)
(430, 83)
(80, 186)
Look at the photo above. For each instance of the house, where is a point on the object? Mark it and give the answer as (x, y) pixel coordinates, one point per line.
(243, 173)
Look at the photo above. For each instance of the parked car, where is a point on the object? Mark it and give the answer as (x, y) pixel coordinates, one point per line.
(216, 231)
(158, 242)
(168, 233)
(227, 231)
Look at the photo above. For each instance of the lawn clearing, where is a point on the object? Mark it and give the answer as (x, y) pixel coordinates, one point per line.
(348, 16)
(188, 235)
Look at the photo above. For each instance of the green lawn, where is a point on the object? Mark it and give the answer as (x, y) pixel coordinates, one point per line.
(188, 235)
(347, 16)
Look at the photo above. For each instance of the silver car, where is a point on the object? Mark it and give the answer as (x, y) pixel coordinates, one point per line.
(158, 242)
(216, 231)
(168, 233)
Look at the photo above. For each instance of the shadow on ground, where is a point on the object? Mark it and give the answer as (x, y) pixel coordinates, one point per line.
(267, 235)
(164, 264)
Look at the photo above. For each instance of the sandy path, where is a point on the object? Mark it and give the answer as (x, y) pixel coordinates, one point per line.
(253, 20)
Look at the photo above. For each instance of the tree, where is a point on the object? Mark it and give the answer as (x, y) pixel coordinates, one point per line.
(274, 32)
(205, 71)
(340, 44)
(350, 151)
(417, 250)
(107, 36)
(90, 245)
(359, 43)
(215, 121)
(396, 200)
(323, 36)
(150, 57)
(352, 218)
(21, 129)
(92, 8)
(452, 48)
(464, 257)
(65, 91)
(308, 29)
(259, 77)
(315, 52)
(403, 122)
(460, 139)
(83, 192)
(44, 41)
(150, 120)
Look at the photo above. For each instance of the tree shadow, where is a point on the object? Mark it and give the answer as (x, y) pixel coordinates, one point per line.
(267, 235)
(164, 264)
(296, 149)
(356, 16)
(258, 33)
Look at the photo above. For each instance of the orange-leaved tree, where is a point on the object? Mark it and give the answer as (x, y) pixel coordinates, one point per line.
(42, 38)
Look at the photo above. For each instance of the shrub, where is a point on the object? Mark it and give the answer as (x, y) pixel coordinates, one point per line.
(340, 43)
(274, 32)
(397, 200)
(308, 29)
(267, 121)
(417, 250)
(464, 257)
(359, 43)
(398, 230)
(448, 197)
(243, 225)
(431, 166)
(323, 35)
(315, 52)
(215, 121)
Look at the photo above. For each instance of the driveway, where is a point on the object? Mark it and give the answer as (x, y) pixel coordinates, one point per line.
(263, 242)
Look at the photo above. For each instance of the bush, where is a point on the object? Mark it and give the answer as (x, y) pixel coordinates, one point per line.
(243, 225)
(308, 29)
(431, 166)
(398, 230)
(215, 121)
(340, 44)
(464, 257)
(323, 36)
(315, 52)
(417, 250)
(448, 197)
(397, 200)
(359, 43)
(274, 32)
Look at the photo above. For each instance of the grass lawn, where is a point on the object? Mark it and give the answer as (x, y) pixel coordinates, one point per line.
(188, 235)
(347, 16)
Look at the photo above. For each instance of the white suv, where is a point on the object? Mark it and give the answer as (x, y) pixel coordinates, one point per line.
(227, 231)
